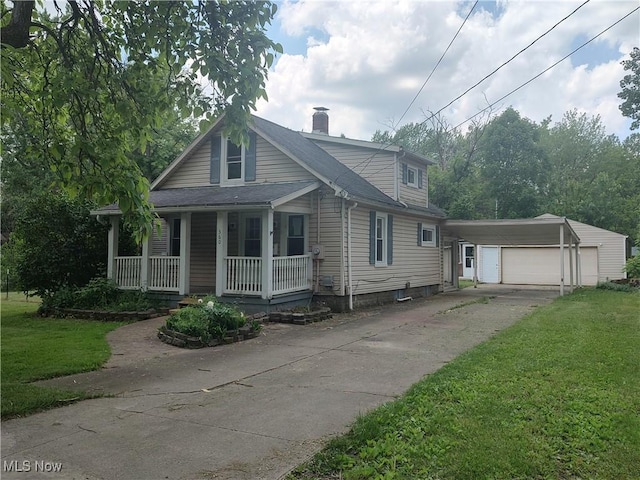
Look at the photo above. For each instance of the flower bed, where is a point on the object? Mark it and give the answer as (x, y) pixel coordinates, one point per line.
(301, 317)
(207, 324)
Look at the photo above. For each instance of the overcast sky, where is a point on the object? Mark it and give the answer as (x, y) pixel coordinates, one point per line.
(366, 61)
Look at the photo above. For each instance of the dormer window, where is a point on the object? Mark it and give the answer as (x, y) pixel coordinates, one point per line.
(412, 177)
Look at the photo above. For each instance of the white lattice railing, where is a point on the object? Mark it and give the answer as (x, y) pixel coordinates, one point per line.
(164, 273)
(291, 274)
(243, 275)
(127, 272)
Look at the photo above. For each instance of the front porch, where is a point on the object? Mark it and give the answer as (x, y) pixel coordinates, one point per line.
(244, 253)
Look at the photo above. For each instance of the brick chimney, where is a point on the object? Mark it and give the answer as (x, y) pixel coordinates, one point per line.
(320, 120)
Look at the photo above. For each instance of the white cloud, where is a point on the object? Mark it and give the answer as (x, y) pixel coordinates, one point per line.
(365, 61)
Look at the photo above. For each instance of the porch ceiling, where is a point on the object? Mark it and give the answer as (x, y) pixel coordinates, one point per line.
(530, 231)
(220, 198)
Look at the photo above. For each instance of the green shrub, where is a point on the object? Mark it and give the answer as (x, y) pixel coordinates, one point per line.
(616, 287)
(206, 320)
(632, 267)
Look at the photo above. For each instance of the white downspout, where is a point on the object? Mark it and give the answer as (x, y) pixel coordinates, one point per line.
(349, 248)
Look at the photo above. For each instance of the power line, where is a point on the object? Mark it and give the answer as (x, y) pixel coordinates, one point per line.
(547, 69)
(365, 163)
(531, 79)
(479, 82)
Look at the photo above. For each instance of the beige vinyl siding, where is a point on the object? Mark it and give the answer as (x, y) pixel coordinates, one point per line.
(413, 195)
(418, 265)
(611, 248)
(274, 166)
(194, 171)
(271, 166)
(330, 238)
(203, 253)
(301, 204)
(375, 166)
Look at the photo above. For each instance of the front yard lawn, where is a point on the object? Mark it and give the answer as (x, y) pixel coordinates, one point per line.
(555, 396)
(37, 348)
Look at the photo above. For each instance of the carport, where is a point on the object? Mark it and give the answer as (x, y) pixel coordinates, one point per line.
(518, 232)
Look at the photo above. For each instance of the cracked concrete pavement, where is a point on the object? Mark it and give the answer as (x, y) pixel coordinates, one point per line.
(256, 409)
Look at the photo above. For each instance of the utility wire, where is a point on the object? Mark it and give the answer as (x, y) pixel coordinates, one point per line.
(532, 78)
(479, 82)
(365, 163)
(547, 69)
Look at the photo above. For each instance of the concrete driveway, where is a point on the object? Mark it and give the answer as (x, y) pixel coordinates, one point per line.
(252, 410)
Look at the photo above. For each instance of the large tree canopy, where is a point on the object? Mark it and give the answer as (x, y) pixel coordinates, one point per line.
(91, 83)
(630, 85)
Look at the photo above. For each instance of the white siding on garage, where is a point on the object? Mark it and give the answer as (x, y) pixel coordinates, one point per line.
(541, 265)
(611, 248)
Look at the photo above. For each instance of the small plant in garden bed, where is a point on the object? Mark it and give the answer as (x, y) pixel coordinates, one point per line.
(207, 323)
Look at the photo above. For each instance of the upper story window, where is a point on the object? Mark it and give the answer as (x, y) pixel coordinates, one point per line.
(232, 164)
(234, 161)
(412, 176)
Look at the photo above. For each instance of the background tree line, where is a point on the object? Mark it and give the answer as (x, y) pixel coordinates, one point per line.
(509, 166)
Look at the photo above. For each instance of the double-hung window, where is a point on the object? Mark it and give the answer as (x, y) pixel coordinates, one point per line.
(412, 177)
(380, 238)
(234, 162)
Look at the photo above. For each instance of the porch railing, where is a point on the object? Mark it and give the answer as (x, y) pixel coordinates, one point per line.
(127, 272)
(244, 275)
(290, 274)
(164, 273)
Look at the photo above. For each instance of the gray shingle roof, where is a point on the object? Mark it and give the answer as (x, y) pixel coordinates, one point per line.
(322, 163)
(262, 194)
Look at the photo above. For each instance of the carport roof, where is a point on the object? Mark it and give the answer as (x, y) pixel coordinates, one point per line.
(525, 231)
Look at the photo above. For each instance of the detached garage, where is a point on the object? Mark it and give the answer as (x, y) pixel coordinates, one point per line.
(602, 257)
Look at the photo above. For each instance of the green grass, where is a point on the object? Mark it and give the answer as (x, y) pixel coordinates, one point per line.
(556, 396)
(465, 283)
(36, 348)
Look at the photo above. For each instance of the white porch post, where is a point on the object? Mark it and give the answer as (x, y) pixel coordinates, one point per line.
(185, 252)
(144, 268)
(562, 259)
(221, 251)
(476, 257)
(267, 253)
(571, 253)
(112, 253)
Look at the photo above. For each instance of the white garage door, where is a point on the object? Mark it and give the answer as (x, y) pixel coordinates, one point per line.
(541, 265)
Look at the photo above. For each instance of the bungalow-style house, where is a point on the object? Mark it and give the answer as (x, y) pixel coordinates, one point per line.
(286, 218)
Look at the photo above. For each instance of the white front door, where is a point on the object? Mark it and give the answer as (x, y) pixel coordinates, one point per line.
(489, 273)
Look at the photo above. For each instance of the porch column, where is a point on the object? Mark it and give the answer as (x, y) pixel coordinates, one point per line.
(454, 264)
(144, 268)
(112, 251)
(221, 251)
(267, 253)
(562, 259)
(185, 252)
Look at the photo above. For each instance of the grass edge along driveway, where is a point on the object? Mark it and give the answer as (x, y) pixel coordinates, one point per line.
(34, 348)
(557, 395)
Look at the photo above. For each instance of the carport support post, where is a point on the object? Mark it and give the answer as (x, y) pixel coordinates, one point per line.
(578, 265)
(476, 257)
(562, 259)
(571, 252)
